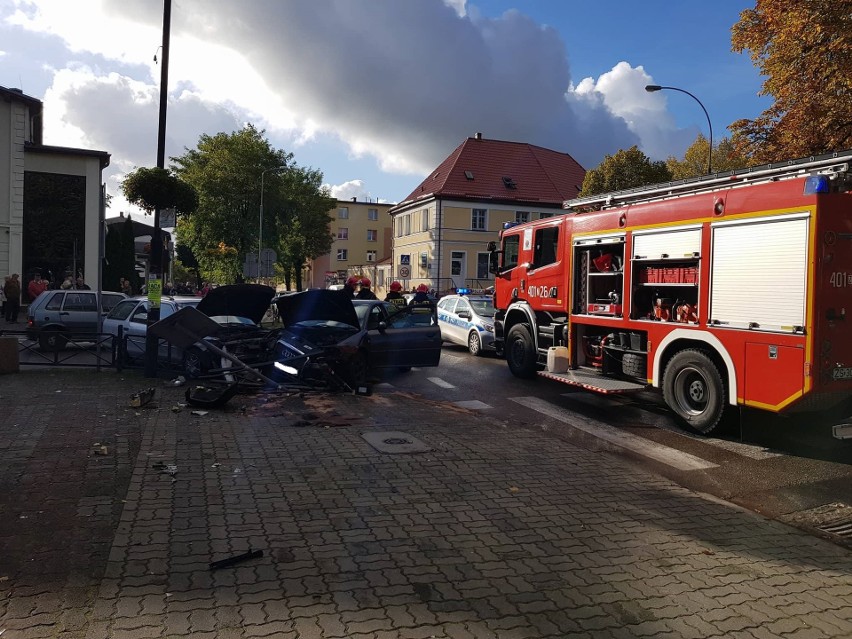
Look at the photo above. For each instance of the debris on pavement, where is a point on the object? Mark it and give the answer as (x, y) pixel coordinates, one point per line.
(141, 398)
(210, 396)
(100, 449)
(180, 380)
(199, 413)
(163, 467)
(230, 561)
(177, 408)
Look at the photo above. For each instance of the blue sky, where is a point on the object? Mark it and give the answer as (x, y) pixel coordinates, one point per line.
(375, 93)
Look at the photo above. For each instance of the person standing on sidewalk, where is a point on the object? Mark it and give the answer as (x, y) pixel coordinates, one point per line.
(36, 287)
(364, 293)
(12, 289)
(395, 297)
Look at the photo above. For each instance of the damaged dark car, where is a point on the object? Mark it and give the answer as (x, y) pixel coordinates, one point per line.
(329, 338)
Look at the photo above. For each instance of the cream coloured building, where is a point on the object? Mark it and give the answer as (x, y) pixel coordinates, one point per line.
(51, 210)
(362, 241)
(441, 230)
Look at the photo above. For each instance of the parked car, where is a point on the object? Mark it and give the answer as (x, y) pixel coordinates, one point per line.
(131, 316)
(55, 317)
(326, 337)
(467, 320)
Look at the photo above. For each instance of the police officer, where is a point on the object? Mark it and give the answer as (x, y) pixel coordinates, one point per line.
(364, 293)
(395, 297)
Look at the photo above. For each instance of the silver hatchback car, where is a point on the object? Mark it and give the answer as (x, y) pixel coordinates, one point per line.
(467, 320)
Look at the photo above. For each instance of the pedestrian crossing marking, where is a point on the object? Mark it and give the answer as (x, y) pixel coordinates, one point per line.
(473, 404)
(664, 454)
(440, 382)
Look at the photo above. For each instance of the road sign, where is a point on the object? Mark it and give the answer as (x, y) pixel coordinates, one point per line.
(405, 260)
(404, 272)
(250, 266)
(267, 260)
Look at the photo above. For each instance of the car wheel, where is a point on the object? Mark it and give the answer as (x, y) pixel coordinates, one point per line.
(52, 340)
(474, 344)
(520, 352)
(694, 389)
(197, 363)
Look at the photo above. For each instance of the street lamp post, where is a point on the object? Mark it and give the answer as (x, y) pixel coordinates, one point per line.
(651, 88)
(260, 227)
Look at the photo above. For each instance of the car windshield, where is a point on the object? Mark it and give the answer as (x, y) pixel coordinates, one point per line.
(230, 320)
(483, 308)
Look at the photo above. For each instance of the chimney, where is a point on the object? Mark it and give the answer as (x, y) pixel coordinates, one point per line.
(478, 135)
(355, 199)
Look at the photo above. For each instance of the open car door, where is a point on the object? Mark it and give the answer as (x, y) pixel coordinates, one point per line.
(399, 338)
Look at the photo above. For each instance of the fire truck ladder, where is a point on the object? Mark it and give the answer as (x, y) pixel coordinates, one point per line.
(828, 164)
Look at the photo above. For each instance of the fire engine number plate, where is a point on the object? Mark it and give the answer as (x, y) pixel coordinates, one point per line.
(842, 373)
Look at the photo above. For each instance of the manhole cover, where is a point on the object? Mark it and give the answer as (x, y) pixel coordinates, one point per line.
(394, 442)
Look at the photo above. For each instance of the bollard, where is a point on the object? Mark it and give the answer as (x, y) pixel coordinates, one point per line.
(9, 362)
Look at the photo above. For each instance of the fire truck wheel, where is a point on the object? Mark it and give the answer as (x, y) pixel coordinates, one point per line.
(474, 344)
(693, 388)
(520, 351)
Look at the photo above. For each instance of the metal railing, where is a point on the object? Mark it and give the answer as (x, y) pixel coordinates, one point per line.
(93, 350)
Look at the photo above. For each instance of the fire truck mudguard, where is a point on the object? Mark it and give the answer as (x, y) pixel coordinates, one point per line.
(722, 290)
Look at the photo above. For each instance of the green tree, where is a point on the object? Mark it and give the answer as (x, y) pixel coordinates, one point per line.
(120, 256)
(694, 163)
(186, 259)
(802, 48)
(228, 172)
(624, 170)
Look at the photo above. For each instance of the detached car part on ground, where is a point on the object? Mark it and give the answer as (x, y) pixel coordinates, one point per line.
(329, 339)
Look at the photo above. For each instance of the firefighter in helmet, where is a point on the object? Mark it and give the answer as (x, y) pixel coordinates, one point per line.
(364, 293)
(349, 287)
(395, 296)
(423, 306)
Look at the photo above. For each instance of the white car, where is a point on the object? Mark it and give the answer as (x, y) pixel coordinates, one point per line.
(467, 320)
(131, 315)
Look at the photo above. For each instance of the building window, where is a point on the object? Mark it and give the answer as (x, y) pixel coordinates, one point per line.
(406, 225)
(371, 256)
(342, 255)
(522, 216)
(424, 220)
(342, 233)
(482, 264)
(343, 212)
(479, 220)
(424, 260)
(542, 216)
(373, 214)
(398, 226)
(372, 235)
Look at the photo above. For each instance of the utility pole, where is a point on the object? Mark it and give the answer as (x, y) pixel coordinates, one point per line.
(155, 281)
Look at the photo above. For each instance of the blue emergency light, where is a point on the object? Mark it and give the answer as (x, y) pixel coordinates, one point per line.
(508, 225)
(463, 291)
(815, 184)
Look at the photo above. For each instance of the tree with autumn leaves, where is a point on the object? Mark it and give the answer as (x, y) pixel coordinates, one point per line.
(804, 49)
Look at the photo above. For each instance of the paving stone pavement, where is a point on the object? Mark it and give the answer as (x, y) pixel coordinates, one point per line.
(495, 533)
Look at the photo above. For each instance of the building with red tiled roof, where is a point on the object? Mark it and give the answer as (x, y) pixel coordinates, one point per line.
(442, 228)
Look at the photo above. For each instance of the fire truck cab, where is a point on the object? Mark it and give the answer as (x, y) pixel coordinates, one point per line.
(724, 290)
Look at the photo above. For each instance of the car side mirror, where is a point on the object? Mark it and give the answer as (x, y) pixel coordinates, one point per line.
(464, 314)
(383, 326)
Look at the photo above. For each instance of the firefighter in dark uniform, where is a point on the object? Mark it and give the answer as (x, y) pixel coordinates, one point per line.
(349, 286)
(364, 293)
(395, 297)
(422, 306)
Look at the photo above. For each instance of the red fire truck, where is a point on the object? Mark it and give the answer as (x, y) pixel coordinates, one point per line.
(723, 290)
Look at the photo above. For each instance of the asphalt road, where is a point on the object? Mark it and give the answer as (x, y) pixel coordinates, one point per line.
(789, 469)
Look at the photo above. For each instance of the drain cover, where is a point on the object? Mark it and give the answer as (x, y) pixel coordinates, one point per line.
(394, 442)
(835, 519)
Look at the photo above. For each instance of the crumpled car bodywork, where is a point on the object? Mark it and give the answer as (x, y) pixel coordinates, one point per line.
(326, 336)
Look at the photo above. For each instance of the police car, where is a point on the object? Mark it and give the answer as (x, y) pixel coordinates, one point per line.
(467, 320)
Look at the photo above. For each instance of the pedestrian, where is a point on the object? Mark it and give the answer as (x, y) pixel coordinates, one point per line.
(364, 293)
(12, 289)
(81, 285)
(3, 296)
(421, 304)
(36, 287)
(349, 287)
(125, 287)
(395, 297)
(67, 283)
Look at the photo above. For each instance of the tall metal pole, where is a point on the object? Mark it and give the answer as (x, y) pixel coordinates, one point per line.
(260, 228)
(651, 88)
(156, 255)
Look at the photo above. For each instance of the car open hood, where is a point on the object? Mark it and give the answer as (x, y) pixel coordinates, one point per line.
(245, 300)
(321, 305)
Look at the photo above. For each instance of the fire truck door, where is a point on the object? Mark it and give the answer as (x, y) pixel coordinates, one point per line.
(773, 375)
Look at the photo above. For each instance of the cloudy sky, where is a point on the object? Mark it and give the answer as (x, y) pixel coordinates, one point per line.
(376, 93)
